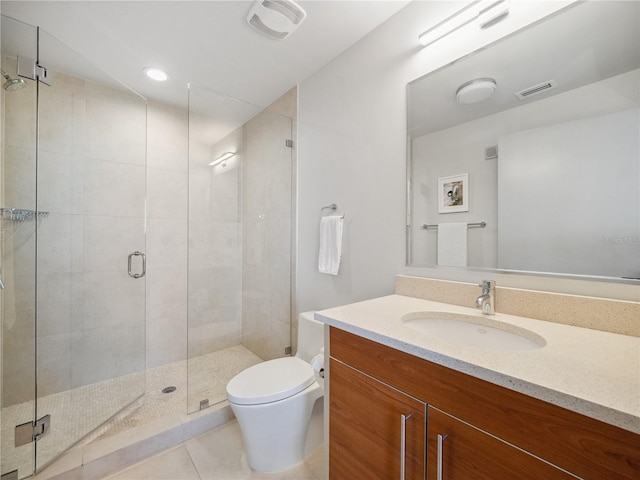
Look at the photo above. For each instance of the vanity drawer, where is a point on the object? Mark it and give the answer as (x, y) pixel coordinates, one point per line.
(584, 446)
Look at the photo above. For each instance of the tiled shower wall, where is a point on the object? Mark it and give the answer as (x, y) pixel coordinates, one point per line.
(267, 222)
(91, 138)
(17, 321)
(240, 222)
(240, 227)
(167, 240)
(214, 242)
(95, 134)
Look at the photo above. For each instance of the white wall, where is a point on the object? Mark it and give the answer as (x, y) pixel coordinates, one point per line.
(578, 184)
(452, 151)
(352, 151)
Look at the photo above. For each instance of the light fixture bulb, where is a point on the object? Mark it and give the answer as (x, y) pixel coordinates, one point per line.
(222, 158)
(450, 24)
(155, 74)
(486, 12)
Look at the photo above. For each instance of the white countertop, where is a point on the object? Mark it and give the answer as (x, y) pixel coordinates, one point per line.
(587, 371)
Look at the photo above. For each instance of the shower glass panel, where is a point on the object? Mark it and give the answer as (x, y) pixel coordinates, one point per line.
(240, 224)
(80, 290)
(18, 245)
(91, 287)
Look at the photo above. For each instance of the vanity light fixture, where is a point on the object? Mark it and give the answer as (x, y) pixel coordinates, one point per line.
(222, 159)
(492, 12)
(487, 12)
(155, 74)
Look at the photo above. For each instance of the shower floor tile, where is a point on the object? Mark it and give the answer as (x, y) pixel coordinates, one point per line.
(82, 409)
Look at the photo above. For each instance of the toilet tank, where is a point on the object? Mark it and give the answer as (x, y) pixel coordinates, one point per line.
(310, 336)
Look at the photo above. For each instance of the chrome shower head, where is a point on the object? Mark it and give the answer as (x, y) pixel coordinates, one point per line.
(13, 84)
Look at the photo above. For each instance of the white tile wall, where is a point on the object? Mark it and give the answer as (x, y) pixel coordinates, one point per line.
(97, 190)
(91, 181)
(167, 196)
(267, 226)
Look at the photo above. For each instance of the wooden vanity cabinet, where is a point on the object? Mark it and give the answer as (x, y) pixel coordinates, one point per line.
(459, 451)
(491, 432)
(377, 432)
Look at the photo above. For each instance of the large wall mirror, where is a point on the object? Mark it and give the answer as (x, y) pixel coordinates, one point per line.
(525, 155)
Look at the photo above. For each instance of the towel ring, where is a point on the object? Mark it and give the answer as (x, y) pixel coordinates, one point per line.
(333, 207)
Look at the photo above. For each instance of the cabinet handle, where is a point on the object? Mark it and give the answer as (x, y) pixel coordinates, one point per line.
(439, 454)
(403, 443)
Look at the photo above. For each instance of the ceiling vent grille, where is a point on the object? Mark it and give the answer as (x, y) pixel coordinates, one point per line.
(276, 19)
(536, 89)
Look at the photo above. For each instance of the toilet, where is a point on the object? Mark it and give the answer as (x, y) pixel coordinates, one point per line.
(273, 402)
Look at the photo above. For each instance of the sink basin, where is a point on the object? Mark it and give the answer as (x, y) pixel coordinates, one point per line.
(474, 331)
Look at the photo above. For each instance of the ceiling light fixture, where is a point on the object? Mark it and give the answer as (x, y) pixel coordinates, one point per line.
(487, 12)
(476, 90)
(222, 159)
(155, 74)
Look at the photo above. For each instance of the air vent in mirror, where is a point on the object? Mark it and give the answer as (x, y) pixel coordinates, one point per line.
(536, 89)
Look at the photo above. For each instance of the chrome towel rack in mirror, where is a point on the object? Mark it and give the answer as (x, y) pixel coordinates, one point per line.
(469, 225)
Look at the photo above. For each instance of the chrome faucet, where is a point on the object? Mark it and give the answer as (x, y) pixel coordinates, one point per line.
(486, 299)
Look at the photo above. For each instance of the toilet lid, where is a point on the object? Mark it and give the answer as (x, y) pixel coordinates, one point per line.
(270, 381)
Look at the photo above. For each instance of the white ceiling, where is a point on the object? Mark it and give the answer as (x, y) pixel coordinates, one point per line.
(207, 43)
(573, 48)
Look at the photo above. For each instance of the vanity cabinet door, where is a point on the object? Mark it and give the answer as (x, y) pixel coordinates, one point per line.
(459, 451)
(367, 422)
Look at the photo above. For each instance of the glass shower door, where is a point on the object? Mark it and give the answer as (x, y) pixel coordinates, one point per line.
(91, 191)
(18, 247)
(73, 240)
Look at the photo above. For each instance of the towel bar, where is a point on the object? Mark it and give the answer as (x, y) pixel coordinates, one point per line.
(470, 225)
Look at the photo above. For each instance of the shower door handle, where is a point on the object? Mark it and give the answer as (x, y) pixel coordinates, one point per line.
(144, 264)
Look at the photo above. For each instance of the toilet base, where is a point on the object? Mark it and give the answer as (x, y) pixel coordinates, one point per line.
(275, 433)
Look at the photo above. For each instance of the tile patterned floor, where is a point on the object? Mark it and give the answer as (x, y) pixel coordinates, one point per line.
(216, 455)
(80, 412)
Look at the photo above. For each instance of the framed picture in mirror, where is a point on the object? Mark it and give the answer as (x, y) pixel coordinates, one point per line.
(453, 193)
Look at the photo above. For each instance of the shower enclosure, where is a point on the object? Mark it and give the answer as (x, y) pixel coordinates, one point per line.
(240, 238)
(127, 260)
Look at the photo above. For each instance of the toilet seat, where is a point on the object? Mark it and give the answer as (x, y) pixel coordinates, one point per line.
(270, 381)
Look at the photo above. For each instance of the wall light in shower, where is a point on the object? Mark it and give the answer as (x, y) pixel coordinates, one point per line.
(487, 12)
(222, 158)
(155, 74)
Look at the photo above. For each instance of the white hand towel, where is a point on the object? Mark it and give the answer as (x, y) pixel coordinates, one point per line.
(330, 244)
(452, 244)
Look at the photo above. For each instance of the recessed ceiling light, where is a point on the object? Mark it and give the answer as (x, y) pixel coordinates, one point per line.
(155, 74)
